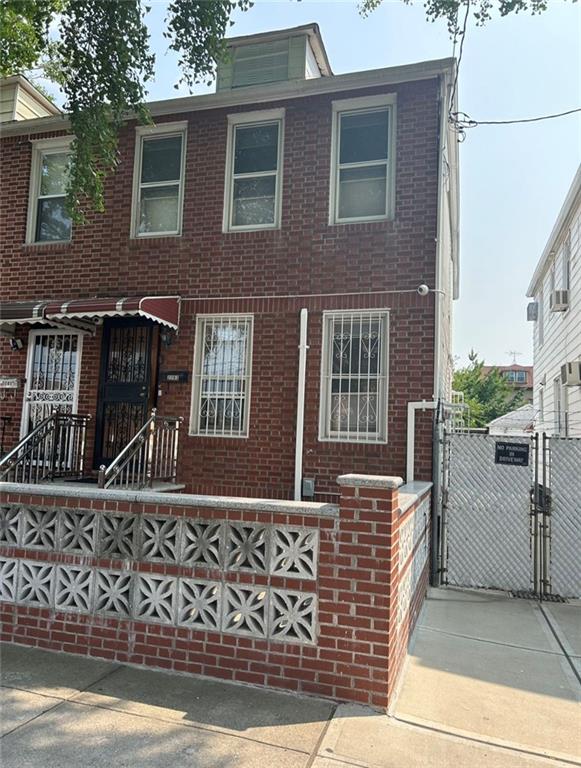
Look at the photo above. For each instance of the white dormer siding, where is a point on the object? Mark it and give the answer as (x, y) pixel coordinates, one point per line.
(20, 100)
(285, 55)
(558, 407)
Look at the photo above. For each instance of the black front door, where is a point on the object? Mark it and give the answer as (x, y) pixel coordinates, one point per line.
(127, 384)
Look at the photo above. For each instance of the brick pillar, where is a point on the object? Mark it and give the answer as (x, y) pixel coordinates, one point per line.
(362, 582)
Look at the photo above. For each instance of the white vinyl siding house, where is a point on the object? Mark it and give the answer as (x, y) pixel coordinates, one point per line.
(557, 334)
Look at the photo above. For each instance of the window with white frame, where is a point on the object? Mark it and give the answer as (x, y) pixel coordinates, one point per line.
(541, 319)
(48, 220)
(159, 180)
(354, 376)
(541, 414)
(253, 171)
(567, 262)
(222, 376)
(362, 159)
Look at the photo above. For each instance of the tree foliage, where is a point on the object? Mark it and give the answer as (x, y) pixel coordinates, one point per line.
(451, 10)
(487, 395)
(98, 52)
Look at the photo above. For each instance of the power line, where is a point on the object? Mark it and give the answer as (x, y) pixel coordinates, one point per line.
(461, 121)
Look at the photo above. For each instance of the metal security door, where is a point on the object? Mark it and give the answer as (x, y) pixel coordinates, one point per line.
(127, 383)
(488, 516)
(52, 376)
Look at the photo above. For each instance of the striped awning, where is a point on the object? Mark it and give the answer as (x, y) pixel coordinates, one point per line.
(160, 309)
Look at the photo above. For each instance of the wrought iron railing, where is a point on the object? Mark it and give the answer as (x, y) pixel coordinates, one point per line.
(54, 448)
(151, 456)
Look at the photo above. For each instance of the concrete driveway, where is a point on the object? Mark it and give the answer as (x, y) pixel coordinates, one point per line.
(490, 683)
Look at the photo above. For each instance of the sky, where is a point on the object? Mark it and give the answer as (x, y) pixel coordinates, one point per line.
(513, 178)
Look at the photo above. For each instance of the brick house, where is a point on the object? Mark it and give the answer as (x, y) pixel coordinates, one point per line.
(255, 274)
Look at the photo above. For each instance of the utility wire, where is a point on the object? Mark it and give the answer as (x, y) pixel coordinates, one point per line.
(460, 121)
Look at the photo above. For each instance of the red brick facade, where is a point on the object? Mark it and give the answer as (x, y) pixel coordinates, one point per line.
(306, 258)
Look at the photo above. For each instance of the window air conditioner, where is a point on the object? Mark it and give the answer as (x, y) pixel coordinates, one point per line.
(571, 374)
(559, 301)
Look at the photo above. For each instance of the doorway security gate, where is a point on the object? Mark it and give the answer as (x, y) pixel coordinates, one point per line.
(512, 513)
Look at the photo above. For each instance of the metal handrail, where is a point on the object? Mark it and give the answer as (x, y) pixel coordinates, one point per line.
(6, 463)
(145, 458)
(54, 448)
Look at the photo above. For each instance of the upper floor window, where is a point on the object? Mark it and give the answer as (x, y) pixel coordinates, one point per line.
(254, 171)
(362, 178)
(48, 220)
(567, 262)
(159, 180)
(222, 373)
(541, 319)
(354, 376)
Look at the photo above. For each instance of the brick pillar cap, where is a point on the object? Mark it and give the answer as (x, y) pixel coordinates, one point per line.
(370, 481)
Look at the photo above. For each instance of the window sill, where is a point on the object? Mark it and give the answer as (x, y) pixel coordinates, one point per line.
(48, 245)
(251, 230)
(220, 437)
(359, 222)
(352, 440)
(136, 242)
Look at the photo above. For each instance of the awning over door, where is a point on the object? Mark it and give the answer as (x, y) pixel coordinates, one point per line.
(86, 312)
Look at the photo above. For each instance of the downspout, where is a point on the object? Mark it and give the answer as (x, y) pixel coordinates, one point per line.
(304, 316)
(410, 461)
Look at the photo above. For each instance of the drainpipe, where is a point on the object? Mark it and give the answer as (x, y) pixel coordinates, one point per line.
(436, 488)
(301, 403)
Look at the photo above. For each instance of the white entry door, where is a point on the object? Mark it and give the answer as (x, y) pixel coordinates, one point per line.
(52, 376)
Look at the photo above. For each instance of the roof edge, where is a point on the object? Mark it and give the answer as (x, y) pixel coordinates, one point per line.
(273, 92)
(558, 227)
(30, 88)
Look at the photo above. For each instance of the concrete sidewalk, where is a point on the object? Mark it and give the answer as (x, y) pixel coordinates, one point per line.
(490, 684)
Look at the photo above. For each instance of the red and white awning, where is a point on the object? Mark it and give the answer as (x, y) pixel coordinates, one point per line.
(160, 309)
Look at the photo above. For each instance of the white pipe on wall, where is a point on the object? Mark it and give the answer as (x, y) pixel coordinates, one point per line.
(303, 347)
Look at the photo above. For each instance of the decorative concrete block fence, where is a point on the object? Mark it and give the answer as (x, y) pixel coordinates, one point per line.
(313, 598)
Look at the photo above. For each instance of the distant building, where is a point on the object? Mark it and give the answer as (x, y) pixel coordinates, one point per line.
(556, 312)
(517, 423)
(519, 377)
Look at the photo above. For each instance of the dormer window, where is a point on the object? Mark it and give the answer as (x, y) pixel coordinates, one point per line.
(262, 63)
(273, 57)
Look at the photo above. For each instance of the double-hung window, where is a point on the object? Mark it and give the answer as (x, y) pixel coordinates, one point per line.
(159, 180)
(354, 376)
(254, 171)
(567, 262)
(48, 220)
(362, 162)
(222, 375)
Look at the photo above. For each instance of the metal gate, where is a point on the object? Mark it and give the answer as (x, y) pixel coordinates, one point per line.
(512, 527)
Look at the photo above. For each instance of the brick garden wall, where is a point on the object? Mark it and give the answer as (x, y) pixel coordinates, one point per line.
(313, 598)
(305, 256)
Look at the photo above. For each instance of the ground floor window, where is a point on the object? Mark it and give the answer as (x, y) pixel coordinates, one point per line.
(354, 376)
(222, 375)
